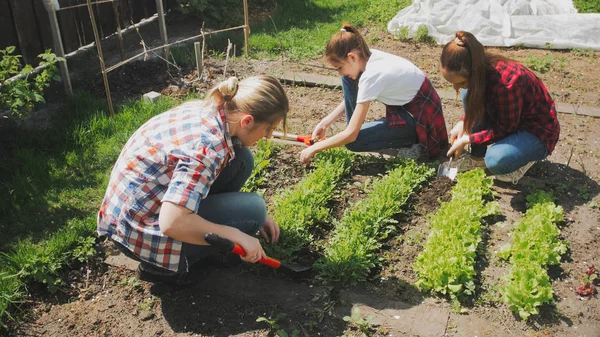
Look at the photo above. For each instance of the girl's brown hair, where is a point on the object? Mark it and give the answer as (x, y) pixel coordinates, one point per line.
(348, 39)
(263, 97)
(466, 57)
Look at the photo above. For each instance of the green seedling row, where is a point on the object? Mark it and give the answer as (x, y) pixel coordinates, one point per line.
(447, 263)
(298, 208)
(262, 158)
(536, 245)
(352, 249)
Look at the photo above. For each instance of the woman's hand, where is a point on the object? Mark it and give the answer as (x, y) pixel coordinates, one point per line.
(270, 229)
(457, 131)
(252, 247)
(458, 146)
(307, 154)
(320, 130)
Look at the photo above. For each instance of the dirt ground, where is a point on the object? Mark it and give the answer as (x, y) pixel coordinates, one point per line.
(103, 300)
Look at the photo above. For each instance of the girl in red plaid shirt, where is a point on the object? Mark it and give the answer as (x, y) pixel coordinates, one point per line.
(414, 124)
(505, 104)
(179, 177)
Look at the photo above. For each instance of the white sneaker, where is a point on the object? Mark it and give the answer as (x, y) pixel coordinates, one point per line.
(412, 152)
(466, 162)
(515, 176)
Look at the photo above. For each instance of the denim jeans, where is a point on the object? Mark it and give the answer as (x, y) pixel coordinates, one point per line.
(376, 135)
(508, 154)
(224, 205)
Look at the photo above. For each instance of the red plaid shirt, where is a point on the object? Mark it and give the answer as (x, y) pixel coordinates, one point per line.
(175, 157)
(517, 100)
(426, 109)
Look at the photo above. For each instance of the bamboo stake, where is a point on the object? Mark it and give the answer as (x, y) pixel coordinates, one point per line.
(118, 18)
(100, 57)
(226, 59)
(246, 28)
(199, 64)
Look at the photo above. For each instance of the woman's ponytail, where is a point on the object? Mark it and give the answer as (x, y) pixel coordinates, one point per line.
(347, 40)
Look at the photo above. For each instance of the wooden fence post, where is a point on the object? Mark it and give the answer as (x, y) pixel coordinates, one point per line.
(58, 46)
(162, 26)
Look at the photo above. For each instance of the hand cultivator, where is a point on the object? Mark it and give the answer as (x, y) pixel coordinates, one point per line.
(226, 244)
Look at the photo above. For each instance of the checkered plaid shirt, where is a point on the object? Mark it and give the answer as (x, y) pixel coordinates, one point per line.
(175, 157)
(517, 100)
(426, 109)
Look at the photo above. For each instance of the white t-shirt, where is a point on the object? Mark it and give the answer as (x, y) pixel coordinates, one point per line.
(390, 79)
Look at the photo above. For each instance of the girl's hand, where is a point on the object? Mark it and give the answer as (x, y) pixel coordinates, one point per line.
(320, 130)
(306, 155)
(252, 247)
(457, 131)
(273, 230)
(458, 146)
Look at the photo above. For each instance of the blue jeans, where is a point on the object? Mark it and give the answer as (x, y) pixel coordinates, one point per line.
(224, 205)
(376, 135)
(508, 154)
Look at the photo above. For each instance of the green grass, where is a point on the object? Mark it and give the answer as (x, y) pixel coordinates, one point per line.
(305, 26)
(51, 185)
(587, 6)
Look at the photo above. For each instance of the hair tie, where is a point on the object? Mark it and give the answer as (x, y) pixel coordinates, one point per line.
(459, 42)
(343, 30)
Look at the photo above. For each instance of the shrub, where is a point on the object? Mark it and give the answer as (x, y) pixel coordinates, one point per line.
(20, 95)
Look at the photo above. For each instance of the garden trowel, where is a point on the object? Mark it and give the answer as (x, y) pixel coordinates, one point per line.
(228, 245)
(307, 140)
(447, 170)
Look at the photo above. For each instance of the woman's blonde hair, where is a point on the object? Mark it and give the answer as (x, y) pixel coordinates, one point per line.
(263, 97)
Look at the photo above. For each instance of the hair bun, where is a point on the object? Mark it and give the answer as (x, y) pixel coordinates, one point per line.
(229, 87)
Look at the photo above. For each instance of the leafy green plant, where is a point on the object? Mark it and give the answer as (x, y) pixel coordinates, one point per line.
(85, 249)
(350, 253)
(362, 324)
(538, 64)
(274, 325)
(535, 246)
(423, 35)
(447, 263)
(148, 304)
(21, 94)
(587, 287)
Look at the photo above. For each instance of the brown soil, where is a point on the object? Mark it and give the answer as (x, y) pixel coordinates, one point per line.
(111, 303)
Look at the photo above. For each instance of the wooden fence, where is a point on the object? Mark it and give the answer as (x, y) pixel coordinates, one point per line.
(25, 24)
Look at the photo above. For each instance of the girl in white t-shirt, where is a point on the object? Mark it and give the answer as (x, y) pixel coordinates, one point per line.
(413, 107)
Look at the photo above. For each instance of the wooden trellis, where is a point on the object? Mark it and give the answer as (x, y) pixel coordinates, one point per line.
(52, 8)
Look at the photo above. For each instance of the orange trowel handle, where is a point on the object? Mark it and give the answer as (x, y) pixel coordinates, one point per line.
(306, 140)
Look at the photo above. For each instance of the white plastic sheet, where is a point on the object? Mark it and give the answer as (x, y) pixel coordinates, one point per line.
(534, 23)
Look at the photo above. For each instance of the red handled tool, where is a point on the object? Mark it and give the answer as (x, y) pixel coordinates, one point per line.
(307, 140)
(227, 244)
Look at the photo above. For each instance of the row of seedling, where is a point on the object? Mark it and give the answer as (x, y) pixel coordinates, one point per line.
(536, 245)
(299, 208)
(447, 263)
(262, 158)
(351, 251)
